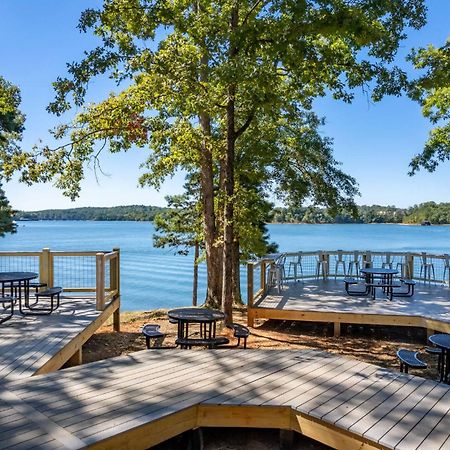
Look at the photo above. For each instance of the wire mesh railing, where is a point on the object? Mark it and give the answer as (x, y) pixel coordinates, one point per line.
(87, 272)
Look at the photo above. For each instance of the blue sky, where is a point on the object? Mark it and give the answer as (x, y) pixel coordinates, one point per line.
(375, 142)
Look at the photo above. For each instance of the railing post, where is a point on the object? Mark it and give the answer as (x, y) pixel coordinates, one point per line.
(263, 276)
(409, 265)
(100, 281)
(114, 272)
(46, 267)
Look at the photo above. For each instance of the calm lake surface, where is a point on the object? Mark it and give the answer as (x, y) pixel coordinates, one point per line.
(156, 278)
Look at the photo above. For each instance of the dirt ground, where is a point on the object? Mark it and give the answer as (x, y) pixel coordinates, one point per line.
(372, 344)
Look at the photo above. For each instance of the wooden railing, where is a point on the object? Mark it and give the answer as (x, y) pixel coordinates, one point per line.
(408, 263)
(75, 271)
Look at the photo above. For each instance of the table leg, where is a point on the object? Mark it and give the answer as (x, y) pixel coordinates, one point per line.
(447, 365)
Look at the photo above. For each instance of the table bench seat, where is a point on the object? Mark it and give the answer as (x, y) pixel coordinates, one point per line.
(409, 358)
(4, 301)
(51, 293)
(152, 331)
(201, 342)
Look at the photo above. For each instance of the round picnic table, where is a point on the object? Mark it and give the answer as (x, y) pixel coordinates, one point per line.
(23, 280)
(442, 341)
(207, 318)
(386, 275)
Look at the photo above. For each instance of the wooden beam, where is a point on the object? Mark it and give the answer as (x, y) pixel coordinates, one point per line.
(152, 433)
(116, 319)
(329, 434)
(244, 416)
(60, 358)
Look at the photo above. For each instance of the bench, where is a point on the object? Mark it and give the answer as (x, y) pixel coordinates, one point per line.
(152, 331)
(201, 342)
(350, 282)
(37, 285)
(240, 332)
(410, 288)
(4, 300)
(408, 358)
(51, 293)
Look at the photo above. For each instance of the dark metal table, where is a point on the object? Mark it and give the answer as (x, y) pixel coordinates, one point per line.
(206, 318)
(442, 341)
(386, 275)
(23, 282)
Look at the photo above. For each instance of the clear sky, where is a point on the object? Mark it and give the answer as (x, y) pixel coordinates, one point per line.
(374, 142)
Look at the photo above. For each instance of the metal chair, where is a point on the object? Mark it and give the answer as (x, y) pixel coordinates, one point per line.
(296, 263)
(426, 268)
(387, 262)
(403, 266)
(355, 263)
(367, 261)
(277, 272)
(446, 269)
(321, 265)
(339, 262)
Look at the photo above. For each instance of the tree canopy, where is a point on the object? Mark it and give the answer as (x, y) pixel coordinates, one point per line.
(432, 91)
(225, 89)
(11, 128)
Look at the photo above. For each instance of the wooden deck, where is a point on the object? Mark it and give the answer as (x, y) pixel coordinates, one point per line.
(326, 301)
(39, 344)
(144, 398)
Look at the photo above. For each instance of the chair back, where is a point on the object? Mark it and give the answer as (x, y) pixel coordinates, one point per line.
(340, 255)
(356, 256)
(388, 258)
(424, 257)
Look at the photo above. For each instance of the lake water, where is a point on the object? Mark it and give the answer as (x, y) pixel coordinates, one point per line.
(156, 278)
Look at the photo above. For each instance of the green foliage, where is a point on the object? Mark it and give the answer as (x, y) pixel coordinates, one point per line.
(432, 91)
(11, 128)
(132, 212)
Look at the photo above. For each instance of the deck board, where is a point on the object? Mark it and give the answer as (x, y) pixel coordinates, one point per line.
(90, 404)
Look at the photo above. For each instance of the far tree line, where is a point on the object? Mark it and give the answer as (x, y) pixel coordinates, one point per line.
(436, 213)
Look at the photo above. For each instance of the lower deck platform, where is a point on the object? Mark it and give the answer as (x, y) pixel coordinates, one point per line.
(326, 301)
(139, 400)
(31, 345)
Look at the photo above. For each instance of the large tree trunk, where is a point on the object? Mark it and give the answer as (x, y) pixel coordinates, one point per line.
(228, 216)
(237, 299)
(213, 260)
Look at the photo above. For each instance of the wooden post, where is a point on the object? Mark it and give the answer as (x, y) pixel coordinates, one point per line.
(249, 285)
(114, 272)
(100, 281)
(116, 267)
(286, 439)
(337, 329)
(409, 272)
(45, 267)
(263, 276)
(76, 359)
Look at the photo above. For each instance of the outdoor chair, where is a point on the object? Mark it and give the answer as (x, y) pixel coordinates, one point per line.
(403, 267)
(321, 265)
(426, 268)
(339, 262)
(296, 264)
(355, 263)
(387, 262)
(367, 259)
(277, 273)
(446, 270)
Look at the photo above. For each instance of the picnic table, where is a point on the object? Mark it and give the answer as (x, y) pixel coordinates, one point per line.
(386, 277)
(205, 318)
(18, 281)
(442, 341)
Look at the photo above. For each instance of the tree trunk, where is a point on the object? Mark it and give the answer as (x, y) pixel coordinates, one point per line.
(228, 216)
(237, 299)
(213, 266)
(195, 282)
